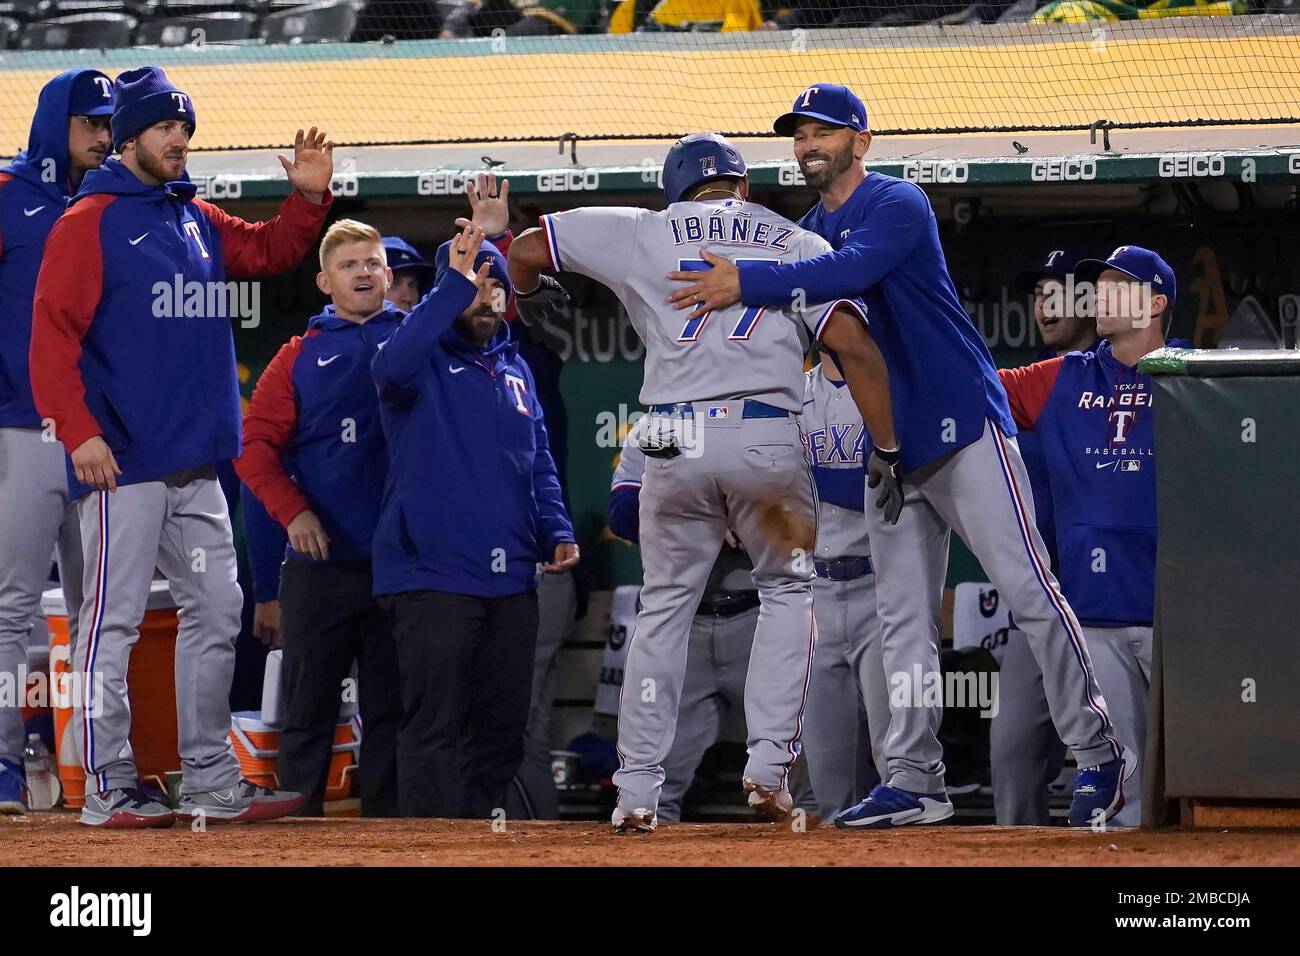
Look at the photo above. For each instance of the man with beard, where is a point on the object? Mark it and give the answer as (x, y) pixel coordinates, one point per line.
(471, 506)
(69, 137)
(957, 459)
(144, 395)
(1025, 751)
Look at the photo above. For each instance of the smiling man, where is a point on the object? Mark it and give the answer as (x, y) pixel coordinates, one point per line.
(314, 455)
(146, 406)
(959, 464)
(69, 137)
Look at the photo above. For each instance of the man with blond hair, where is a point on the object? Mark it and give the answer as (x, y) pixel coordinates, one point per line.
(314, 455)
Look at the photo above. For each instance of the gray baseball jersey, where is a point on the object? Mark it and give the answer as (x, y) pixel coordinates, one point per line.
(736, 353)
(832, 429)
(746, 470)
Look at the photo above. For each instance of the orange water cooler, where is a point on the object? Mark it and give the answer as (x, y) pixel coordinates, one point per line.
(151, 683)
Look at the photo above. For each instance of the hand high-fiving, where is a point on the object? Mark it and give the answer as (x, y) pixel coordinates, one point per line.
(313, 164)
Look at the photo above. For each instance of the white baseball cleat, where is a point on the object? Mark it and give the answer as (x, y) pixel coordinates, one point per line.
(771, 805)
(639, 820)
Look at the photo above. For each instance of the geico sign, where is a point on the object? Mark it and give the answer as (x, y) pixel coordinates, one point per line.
(790, 175)
(220, 187)
(936, 171)
(440, 184)
(1293, 164)
(1184, 167)
(1062, 170)
(568, 181)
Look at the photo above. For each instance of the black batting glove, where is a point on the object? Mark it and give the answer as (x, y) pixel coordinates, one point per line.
(547, 301)
(882, 472)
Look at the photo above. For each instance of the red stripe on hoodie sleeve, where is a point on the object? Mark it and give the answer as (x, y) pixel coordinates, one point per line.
(269, 427)
(1028, 389)
(268, 248)
(4, 180)
(68, 288)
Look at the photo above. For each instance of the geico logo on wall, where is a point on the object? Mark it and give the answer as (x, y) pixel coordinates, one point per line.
(936, 171)
(569, 180)
(219, 187)
(1187, 167)
(1063, 170)
(595, 338)
(442, 183)
(1293, 164)
(790, 174)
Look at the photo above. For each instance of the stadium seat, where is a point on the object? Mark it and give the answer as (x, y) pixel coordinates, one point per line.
(24, 11)
(312, 23)
(222, 27)
(1283, 6)
(81, 31)
(9, 30)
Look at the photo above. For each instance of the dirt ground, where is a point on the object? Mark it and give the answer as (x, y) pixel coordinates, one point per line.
(58, 840)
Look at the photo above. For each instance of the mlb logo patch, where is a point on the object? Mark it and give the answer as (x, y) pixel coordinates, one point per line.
(1130, 464)
(719, 411)
(708, 166)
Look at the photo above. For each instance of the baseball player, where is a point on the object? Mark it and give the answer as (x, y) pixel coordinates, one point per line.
(412, 273)
(146, 401)
(314, 455)
(848, 675)
(959, 462)
(724, 450)
(1092, 413)
(1025, 751)
(722, 635)
(69, 137)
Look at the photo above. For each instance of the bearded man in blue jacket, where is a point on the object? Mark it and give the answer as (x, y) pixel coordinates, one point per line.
(69, 137)
(472, 504)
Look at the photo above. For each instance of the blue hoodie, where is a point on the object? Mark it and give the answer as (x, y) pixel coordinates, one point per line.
(472, 501)
(312, 432)
(110, 355)
(1092, 415)
(34, 190)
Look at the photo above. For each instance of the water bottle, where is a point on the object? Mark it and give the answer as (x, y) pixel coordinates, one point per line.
(43, 787)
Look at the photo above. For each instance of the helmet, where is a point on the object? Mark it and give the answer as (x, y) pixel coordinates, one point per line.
(698, 157)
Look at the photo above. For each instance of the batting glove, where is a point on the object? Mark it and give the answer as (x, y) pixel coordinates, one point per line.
(882, 472)
(547, 301)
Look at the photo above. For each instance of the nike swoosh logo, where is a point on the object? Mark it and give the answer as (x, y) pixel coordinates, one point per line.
(136, 242)
(32, 212)
(323, 362)
(455, 370)
(1106, 464)
(228, 800)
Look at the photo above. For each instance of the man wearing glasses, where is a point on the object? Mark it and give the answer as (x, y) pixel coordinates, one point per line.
(69, 137)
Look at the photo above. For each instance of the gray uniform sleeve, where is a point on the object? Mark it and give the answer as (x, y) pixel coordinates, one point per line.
(631, 463)
(597, 241)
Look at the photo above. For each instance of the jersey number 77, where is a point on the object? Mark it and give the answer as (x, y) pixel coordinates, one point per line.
(745, 325)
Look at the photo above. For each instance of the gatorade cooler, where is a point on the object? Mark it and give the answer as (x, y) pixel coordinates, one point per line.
(257, 745)
(150, 680)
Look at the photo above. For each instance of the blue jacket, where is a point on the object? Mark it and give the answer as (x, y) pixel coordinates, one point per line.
(313, 436)
(34, 190)
(472, 501)
(1094, 423)
(942, 379)
(128, 340)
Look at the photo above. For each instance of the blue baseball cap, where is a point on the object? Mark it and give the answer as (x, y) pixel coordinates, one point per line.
(91, 95)
(1141, 264)
(402, 255)
(1055, 264)
(486, 253)
(828, 102)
